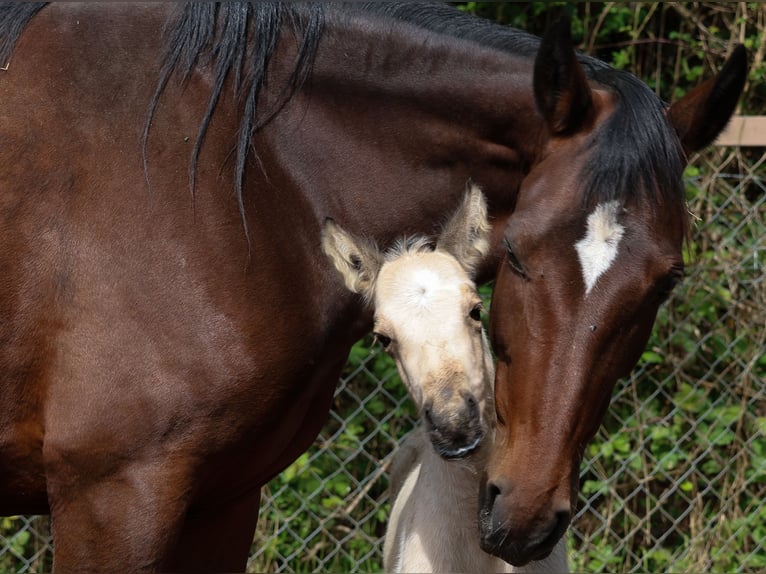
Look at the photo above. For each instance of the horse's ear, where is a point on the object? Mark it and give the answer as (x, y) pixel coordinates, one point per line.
(466, 234)
(703, 113)
(562, 93)
(357, 261)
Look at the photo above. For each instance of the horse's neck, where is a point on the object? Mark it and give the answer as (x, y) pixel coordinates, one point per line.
(451, 108)
(458, 80)
(453, 482)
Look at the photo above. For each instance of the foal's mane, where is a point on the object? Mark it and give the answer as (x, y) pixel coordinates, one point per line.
(409, 246)
(635, 153)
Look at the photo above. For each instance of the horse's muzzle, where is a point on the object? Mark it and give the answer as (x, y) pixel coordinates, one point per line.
(518, 544)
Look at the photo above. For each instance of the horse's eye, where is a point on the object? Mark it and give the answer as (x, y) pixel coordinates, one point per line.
(383, 340)
(667, 284)
(475, 313)
(513, 261)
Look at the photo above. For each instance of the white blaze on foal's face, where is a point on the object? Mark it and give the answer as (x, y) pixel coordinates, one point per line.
(423, 303)
(598, 249)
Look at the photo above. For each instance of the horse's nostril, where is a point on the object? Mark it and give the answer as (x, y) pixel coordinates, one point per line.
(470, 410)
(491, 492)
(562, 521)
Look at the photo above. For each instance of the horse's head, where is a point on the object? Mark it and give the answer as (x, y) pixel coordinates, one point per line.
(428, 318)
(593, 247)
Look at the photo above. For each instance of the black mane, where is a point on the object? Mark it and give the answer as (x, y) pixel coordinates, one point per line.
(637, 150)
(236, 39)
(635, 153)
(13, 18)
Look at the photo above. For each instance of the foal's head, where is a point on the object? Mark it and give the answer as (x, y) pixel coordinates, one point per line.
(428, 318)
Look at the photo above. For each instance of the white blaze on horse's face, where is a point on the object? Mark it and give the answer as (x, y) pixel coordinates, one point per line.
(428, 306)
(598, 249)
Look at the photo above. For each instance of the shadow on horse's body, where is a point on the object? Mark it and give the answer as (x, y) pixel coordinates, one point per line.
(166, 349)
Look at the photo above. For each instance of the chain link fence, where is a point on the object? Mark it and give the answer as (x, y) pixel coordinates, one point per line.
(675, 479)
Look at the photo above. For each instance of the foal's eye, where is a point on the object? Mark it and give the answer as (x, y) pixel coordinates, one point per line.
(475, 313)
(383, 340)
(513, 261)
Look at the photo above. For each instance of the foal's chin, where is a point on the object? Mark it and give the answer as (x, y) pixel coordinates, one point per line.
(456, 445)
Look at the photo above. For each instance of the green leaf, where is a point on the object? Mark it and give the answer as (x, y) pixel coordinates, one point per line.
(689, 398)
(652, 358)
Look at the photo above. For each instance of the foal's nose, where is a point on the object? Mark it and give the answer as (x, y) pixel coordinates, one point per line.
(455, 427)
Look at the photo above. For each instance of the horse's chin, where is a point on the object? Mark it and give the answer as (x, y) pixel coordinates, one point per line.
(516, 556)
(519, 552)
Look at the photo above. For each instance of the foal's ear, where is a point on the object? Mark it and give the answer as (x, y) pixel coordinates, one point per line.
(562, 93)
(702, 113)
(357, 261)
(466, 234)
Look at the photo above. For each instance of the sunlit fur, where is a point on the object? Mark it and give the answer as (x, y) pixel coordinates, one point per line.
(423, 298)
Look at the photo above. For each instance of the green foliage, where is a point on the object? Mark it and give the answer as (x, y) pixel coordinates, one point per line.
(670, 45)
(310, 500)
(24, 544)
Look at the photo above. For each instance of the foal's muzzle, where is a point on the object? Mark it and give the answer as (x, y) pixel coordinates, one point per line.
(455, 433)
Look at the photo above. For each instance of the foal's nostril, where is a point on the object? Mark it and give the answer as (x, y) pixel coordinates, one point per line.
(428, 415)
(472, 406)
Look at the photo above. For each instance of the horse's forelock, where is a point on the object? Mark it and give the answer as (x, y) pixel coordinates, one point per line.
(636, 153)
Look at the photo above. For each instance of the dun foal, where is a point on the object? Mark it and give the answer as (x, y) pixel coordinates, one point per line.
(428, 318)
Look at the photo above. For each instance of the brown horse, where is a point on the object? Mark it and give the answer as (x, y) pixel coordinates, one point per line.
(170, 331)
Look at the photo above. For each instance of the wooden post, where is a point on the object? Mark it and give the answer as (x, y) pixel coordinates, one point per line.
(746, 131)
